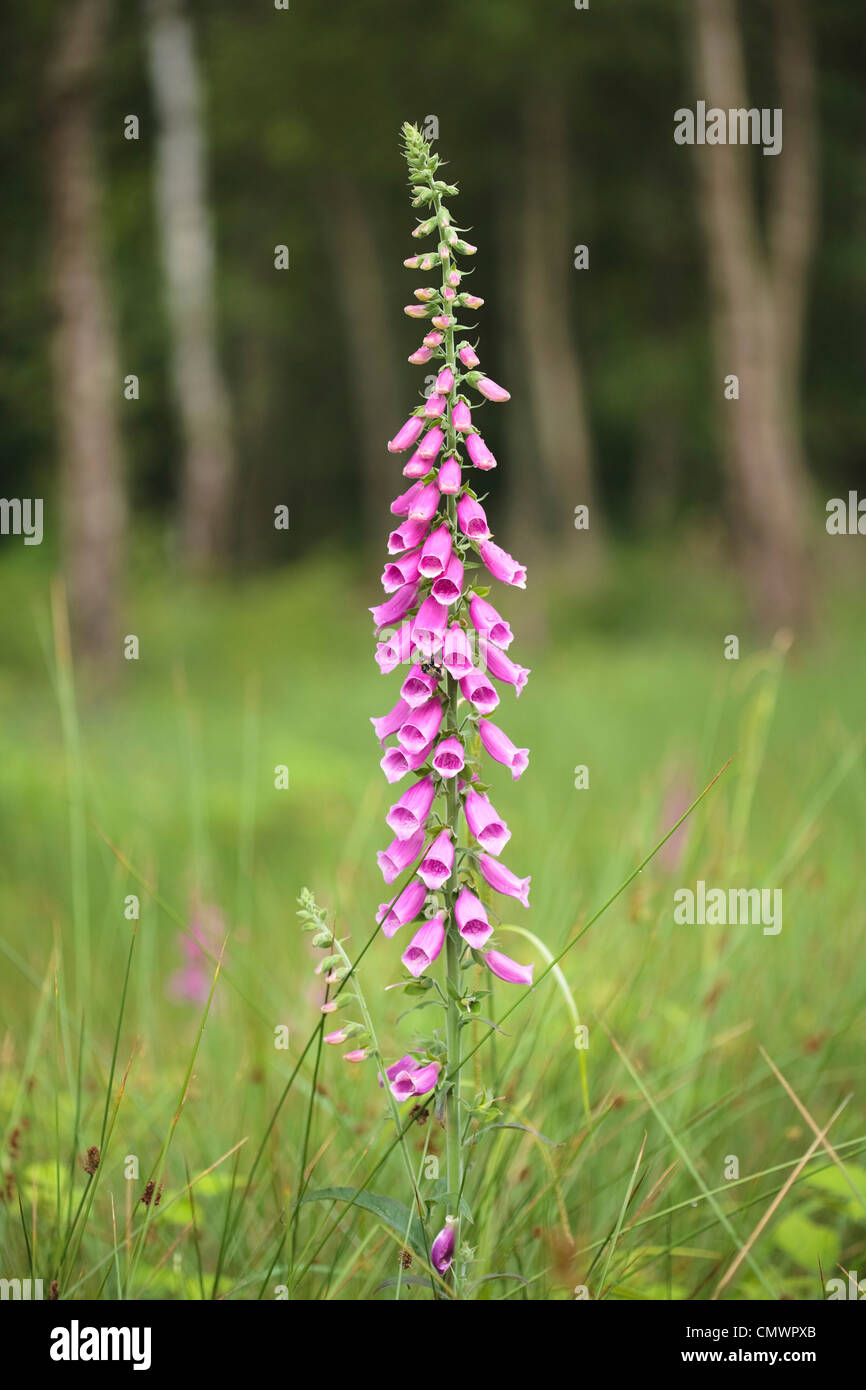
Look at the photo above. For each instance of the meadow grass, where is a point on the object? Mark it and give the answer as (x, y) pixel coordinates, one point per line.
(607, 1168)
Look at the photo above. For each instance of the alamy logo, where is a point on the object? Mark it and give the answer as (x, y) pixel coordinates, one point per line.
(737, 126)
(22, 516)
(21, 1289)
(736, 906)
(76, 1343)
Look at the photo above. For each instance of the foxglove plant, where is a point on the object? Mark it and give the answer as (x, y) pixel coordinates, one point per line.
(447, 833)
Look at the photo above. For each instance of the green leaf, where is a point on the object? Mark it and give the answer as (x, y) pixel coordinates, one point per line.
(805, 1242)
(388, 1210)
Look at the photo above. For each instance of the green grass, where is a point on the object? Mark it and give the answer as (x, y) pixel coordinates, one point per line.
(165, 789)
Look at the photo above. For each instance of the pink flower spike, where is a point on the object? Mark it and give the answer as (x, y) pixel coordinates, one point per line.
(484, 823)
(407, 816)
(472, 519)
(487, 621)
(479, 452)
(444, 381)
(502, 880)
(472, 920)
(449, 758)
(406, 435)
(502, 565)
(396, 607)
(461, 417)
(387, 724)
(435, 868)
(449, 478)
(477, 689)
(425, 505)
(436, 553)
(420, 356)
(504, 968)
(432, 340)
(404, 909)
(500, 747)
(399, 855)
(434, 406)
(449, 586)
(502, 668)
(468, 355)
(424, 946)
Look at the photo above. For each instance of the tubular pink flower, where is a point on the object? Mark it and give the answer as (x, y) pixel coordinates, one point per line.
(394, 649)
(395, 608)
(409, 815)
(424, 946)
(477, 689)
(421, 356)
(472, 518)
(472, 920)
(401, 504)
(417, 311)
(410, 1078)
(397, 762)
(442, 321)
(425, 505)
(425, 294)
(399, 855)
(442, 1249)
(404, 909)
(416, 467)
(417, 688)
(457, 652)
(406, 435)
(502, 565)
(436, 552)
(444, 381)
(400, 572)
(504, 968)
(432, 340)
(449, 478)
(491, 391)
(431, 621)
(406, 537)
(449, 586)
(467, 355)
(435, 868)
(487, 622)
(479, 452)
(502, 668)
(500, 747)
(484, 823)
(360, 1054)
(449, 758)
(431, 444)
(472, 301)
(434, 406)
(453, 277)
(337, 1038)
(461, 417)
(387, 724)
(502, 880)
(421, 727)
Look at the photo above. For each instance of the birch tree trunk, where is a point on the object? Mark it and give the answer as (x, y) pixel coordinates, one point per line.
(187, 247)
(88, 382)
(758, 310)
